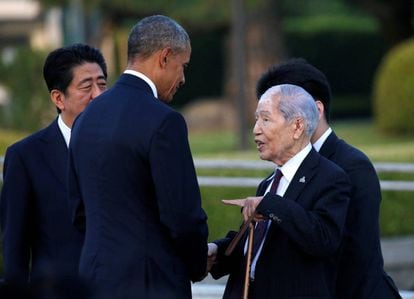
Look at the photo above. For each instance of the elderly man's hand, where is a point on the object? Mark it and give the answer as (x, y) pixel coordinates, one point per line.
(249, 206)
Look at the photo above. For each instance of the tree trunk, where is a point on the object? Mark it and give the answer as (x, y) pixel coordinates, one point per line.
(263, 45)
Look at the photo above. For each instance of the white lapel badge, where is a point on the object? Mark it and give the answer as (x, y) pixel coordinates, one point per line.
(302, 180)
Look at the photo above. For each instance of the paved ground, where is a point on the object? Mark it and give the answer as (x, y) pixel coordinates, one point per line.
(215, 291)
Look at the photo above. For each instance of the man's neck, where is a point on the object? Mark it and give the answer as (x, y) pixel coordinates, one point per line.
(320, 130)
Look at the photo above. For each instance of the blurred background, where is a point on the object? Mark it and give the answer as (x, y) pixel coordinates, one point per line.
(365, 48)
(233, 43)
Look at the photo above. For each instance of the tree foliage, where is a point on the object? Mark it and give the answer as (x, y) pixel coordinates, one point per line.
(395, 17)
(30, 107)
(197, 12)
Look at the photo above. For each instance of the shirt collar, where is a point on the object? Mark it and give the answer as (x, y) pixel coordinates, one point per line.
(318, 144)
(290, 167)
(64, 129)
(145, 78)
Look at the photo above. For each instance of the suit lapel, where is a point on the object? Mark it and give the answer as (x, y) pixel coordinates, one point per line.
(303, 176)
(329, 146)
(55, 151)
(263, 185)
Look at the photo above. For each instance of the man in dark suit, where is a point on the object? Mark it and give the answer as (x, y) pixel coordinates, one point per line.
(132, 177)
(39, 241)
(360, 273)
(304, 215)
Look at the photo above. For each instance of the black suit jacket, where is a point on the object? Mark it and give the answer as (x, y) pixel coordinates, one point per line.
(299, 255)
(132, 169)
(361, 273)
(38, 237)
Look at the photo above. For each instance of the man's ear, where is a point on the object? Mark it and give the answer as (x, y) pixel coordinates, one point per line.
(321, 109)
(57, 98)
(164, 56)
(299, 127)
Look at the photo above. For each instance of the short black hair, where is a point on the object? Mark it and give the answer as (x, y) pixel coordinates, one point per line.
(299, 72)
(59, 64)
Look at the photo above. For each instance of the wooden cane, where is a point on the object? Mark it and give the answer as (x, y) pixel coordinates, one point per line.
(248, 261)
(239, 235)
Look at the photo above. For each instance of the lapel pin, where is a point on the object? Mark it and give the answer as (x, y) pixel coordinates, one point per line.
(302, 180)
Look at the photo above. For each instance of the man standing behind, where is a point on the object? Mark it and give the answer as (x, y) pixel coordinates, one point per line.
(360, 272)
(132, 176)
(39, 241)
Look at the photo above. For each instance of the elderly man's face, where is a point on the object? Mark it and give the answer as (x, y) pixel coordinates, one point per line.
(273, 135)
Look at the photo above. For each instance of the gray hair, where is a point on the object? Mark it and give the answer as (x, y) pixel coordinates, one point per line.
(154, 33)
(295, 102)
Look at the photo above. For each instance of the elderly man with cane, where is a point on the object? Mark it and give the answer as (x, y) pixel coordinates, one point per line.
(299, 211)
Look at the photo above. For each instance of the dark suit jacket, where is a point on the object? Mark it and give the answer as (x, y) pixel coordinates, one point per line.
(38, 237)
(299, 254)
(131, 167)
(361, 273)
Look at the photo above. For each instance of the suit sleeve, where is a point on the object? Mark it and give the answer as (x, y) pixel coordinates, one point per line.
(227, 264)
(317, 230)
(178, 194)
(75, 202)
(15, 208)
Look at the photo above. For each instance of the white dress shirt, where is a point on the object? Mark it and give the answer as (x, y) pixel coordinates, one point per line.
(318, 144)
(64, 129)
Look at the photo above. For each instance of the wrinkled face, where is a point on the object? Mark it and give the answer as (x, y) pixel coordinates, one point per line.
(88, 82)
(173, 76)
(274, 136)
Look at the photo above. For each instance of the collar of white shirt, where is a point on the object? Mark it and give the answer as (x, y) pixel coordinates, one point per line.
(318, 144)
(290, 167)
(64, 129)
(145, 78)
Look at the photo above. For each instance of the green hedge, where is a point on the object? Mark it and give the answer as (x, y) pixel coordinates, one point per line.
(394, 91)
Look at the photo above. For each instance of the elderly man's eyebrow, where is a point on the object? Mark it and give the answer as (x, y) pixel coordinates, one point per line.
(263, 113)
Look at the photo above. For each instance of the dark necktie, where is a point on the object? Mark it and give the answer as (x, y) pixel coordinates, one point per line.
(261, 226)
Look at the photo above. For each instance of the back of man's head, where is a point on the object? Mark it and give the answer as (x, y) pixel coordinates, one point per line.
(298, 71)
(155, 33)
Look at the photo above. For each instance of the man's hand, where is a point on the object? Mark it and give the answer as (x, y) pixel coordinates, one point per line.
(211, 255)
(249, 206)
